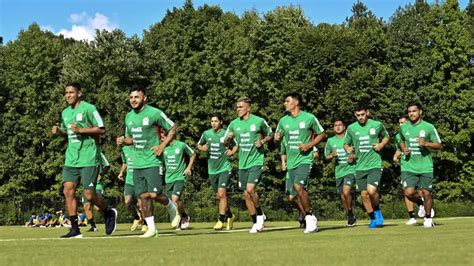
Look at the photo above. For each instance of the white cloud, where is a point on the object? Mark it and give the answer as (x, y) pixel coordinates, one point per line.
(47, 28)
(84, 26)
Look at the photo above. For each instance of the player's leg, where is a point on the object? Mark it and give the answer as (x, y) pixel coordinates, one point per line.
(71, 177)
(346, 197)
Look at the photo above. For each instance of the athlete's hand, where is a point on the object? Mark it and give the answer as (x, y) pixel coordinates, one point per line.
(120, 140)
(258, 143)
(351, 158)
(120, 177)
(228, 152)
(305, 147)
(205, 147)
(55, 129)
(422, 142)
(158, 150)
(283, 166)
(406, 151)
(334, 154)
(396, 160)
(377, 147)
(76, 129)
(350, 149)
(277, 136)
(187, 172)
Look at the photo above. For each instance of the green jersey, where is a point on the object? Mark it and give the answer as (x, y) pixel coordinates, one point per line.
(299, 130)
(174, 160)
(362, 138)
(217, 161)
(419, 160)
(142, 127)
(82, 149)
(127, 158)
(343, 168)
(403, 161)
(246, 132)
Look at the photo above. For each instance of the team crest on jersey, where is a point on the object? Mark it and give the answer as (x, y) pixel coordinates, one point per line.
(146, 121)
(357, 133)
(238, 128)
(221, 140)
(253, 127)
(372, 131)
(302, 124)
(287, 126)
(176, 151)
(422, 134)
(79, 117)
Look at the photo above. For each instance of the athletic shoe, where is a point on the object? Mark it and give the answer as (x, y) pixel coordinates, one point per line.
(135, 225)
(185, 222)
(72, 234)
(421, 211)
(412, 221)
(173, 212)
(93, 229)
(351, 221)
(260, 222)
(379, 218)
(373, 224)
(176, 221)
(219, 225)
(110, 221)
(230, 222)
(144, 228)
(254, 229)
(150, 234)
(311, 224)
(428, 223)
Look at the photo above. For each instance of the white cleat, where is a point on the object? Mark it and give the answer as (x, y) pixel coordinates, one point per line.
(254, 229)
(428, 223)
(311, 224)
(260, 222)
(150, 233)
(412, 221)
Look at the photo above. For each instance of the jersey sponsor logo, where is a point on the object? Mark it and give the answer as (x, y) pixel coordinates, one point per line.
(146, 121)
(422, 134)
(253, 127)
(302, 124)
(372, 131)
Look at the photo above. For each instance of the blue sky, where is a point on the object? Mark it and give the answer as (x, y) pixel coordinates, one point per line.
(78, 18)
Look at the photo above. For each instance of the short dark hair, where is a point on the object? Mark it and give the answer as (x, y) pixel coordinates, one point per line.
(137, 88)
(403, 116)
(219, 116)
(417, 104)
(245, 99)
(74, 84)
(360, 106)
(338, 119)
(296, 96)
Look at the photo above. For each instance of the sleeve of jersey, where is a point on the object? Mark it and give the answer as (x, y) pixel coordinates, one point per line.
(202, 140)
(267, 130)
(163, 121)
(103, 160)
(283, 148)
(95, 117)
(127, 130)
(401, 135)
(230, 128)
(383, 131)
(434, 137)
(327, 148)
(280, 128)
(62, 126)
(122, 156)
(348, 137)
(316, 126)
(188, 150)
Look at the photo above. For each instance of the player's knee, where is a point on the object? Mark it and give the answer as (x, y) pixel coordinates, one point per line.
(221, 194)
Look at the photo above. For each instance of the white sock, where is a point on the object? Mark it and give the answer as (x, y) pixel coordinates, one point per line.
(150, 221)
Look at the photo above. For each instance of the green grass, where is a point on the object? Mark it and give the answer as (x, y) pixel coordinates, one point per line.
(450, 242)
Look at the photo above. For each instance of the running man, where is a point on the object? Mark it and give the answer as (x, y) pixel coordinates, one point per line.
(176, 173)
(140, 131)
(418, 139)
(82, 124)
(344, 171)
(297, 127)
(219, 168)
(250, 132)
(363, 143)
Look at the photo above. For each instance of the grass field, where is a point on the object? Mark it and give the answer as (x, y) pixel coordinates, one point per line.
(450, 242)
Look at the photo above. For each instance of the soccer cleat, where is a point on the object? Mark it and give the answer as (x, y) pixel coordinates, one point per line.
(72, 234)
(412, 221)
(219, 225)
(351, 221)
(150, 234)
(260, 222)
(185, 222)
(230, 222)
(144, 228)
(254, 229)
(311, 224)
(373, 224)
(379, 218)
(428, 223)
(110, 221)
(173, 212)
(135, 225)
(93, 229)
(421, 211)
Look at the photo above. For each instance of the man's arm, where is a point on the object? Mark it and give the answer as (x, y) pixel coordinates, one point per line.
(122, 171)
(315, 141)
(158, 150)
(188, 170)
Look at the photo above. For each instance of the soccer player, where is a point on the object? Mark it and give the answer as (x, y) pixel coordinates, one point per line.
(176, 172)
(140, 131)
(81, 124)
(219, 168)
(99, 189)
(364, 140)
(250, 132)
(129, 188)
(344, 171)
(297, 127)
(418, 138)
